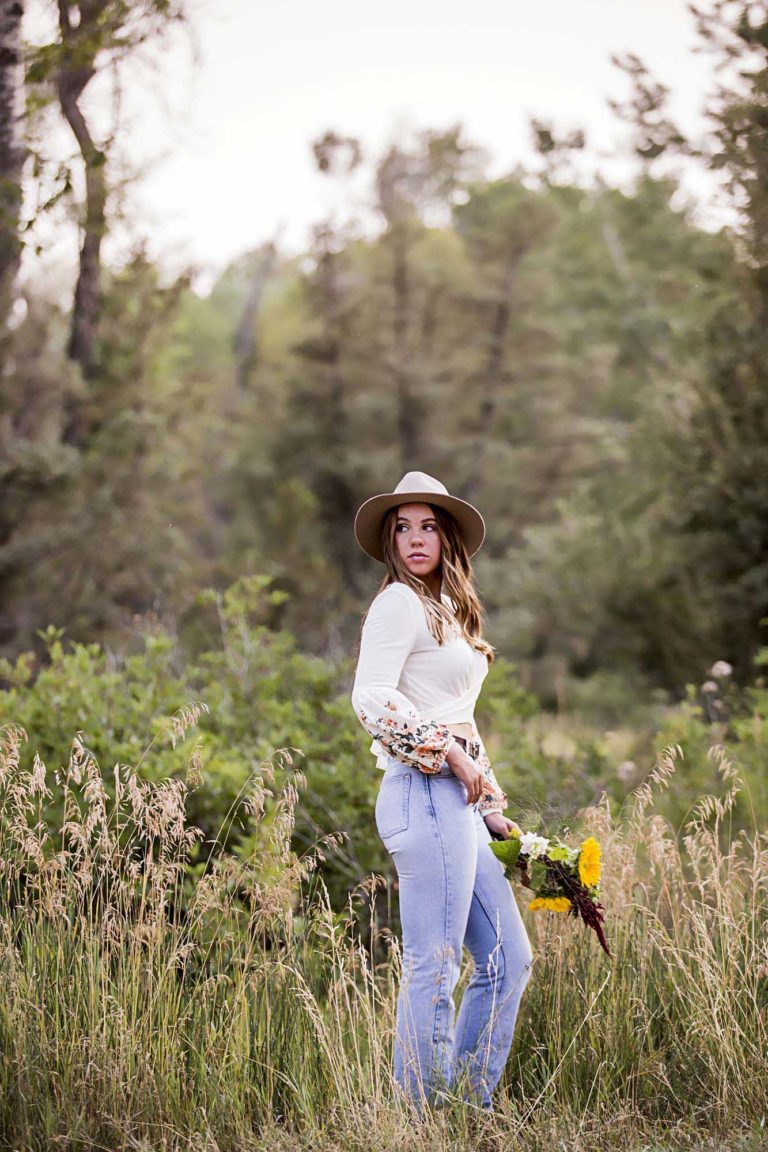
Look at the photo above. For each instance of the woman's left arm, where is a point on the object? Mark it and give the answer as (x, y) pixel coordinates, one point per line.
(494, 801)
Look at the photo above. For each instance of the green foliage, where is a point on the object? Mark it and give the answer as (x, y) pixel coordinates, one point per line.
(259, 693)
(254, 691)
(719, 713)
(585, 363)
(251, 690)
(550, 340)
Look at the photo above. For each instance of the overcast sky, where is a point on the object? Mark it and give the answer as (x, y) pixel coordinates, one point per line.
(229, 135)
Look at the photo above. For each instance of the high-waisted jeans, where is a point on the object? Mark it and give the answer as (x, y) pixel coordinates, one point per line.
(452, 891)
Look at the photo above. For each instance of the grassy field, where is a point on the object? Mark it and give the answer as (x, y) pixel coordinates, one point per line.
(159, 993)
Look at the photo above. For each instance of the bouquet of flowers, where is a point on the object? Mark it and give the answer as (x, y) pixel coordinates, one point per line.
(562, 879)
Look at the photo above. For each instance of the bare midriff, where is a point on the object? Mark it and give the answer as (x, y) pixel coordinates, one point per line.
(464, 728)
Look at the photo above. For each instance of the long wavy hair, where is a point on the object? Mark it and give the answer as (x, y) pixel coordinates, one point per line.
(457, 582)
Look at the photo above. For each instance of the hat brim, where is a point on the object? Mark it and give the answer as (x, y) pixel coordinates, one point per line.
(372, 512)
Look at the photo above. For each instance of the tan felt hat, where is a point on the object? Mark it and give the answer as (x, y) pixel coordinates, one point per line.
(416, 488)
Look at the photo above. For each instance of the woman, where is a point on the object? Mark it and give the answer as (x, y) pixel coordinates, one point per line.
(421, 666)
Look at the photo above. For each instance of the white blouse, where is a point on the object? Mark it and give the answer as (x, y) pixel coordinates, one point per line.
(408, 688)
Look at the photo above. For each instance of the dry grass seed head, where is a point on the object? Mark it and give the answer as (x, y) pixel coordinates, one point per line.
(183, 719)
(664, 767)
(37, 785)
(12, 736)
(195, 765)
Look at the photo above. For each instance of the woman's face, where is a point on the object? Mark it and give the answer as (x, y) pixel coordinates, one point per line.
(417, 539)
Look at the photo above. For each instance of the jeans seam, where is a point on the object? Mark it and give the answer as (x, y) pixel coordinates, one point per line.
(500, 944)
(501, 991)
(480, 1057)
(445, 946)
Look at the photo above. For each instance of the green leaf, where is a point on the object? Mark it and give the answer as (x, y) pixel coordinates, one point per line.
(558, 853)
(506, 850)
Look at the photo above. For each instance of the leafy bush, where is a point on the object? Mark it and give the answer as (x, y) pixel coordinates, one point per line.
(254, 692)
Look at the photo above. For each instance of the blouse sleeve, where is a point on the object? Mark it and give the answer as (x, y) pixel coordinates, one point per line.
(388, 636)
(494, 799)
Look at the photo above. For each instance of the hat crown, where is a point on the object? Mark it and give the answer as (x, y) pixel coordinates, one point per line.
(421, 482)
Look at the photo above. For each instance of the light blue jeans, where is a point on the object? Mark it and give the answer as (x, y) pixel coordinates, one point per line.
(452, 892)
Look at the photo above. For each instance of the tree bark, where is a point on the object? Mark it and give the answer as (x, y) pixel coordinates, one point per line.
(493, 376)
(80, 46)
(245, 344)
(11, 153)
(337, 497)
(407, 414)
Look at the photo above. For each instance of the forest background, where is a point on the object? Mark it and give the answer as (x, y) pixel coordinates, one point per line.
(585, 364)
(180, 473)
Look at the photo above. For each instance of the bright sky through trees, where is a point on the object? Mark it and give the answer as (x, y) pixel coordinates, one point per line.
(275, 74)
(227, 141)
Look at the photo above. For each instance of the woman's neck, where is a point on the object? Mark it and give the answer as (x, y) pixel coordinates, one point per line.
(435, 584)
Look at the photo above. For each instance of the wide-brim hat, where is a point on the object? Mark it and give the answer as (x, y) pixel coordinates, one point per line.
(416, 488)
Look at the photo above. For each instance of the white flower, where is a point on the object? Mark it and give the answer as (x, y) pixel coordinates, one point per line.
(721, 668)
(533, 845)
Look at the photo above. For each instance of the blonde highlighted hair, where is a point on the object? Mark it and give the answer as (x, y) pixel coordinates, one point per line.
(458, 582)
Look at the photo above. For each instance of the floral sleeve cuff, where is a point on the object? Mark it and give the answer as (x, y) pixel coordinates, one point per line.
(489, 804)
(494, 799)
(423, 744)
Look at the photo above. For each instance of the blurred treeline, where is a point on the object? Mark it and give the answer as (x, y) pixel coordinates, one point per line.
(586, 364)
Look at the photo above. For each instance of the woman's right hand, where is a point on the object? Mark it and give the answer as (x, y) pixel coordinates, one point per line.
(468, 771)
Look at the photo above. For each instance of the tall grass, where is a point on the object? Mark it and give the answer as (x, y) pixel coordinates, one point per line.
(159, 993)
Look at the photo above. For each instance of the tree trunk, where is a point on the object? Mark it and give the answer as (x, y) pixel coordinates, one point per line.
(245, 337)
(11, 153)
(407, 414)
(78, 68)
(337, 497)
(492, 377)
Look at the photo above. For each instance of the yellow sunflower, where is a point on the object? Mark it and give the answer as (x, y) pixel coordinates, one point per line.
(589, 862)
(550, 903)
